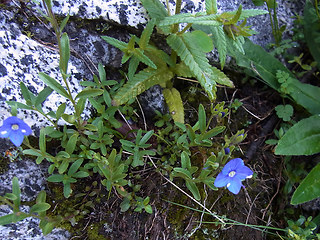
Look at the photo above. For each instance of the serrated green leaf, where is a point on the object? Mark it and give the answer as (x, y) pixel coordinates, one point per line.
(174, 102)
(116, 43)
(89, 92)
(236, 17)
(141, 82)
(221, 78)
(133, 66)
(201, 39)
(39, 207)
(211, 6)
(211, 20)
(301, 139)
(65, 53)
(195, 59)
(143, 58)
(309, 188)
(42, 96)
(52, 83)
(155, 9)
(146, 34)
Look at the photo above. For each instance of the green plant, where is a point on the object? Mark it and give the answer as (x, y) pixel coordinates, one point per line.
(188, 51)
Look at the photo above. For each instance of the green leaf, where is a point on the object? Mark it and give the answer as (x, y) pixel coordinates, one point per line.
(309, 188)
(72, 142)
(67, 190)
(312, 31)
(301, 139)
(55, 178)
(7, 219)
(52, 83)
(89, 92)
(185, 160)
(32, 152)
(141, 82)
(18, 105)
(65, 53)
(48, 228)
(146, 137)
(203, 41)
(25, 92)
(16, 191)
(146, 34)
(284, 112)
(74, 167)
(102, 73)
(42, 140)
(155, 9)
(306, 95)
(213, 132)
(64, 22)
(174, 102)
(63, 166)
(202, 119)
(193, 189)
(39, 207)
(80, 174)
(184, 172)
(143, 58)
(60, 110)
(116, 43)
(10, 196)
(211, 6)
(211, 20)
(195, 59)
(42, 96)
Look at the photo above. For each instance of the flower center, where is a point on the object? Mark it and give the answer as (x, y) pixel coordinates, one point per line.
(14, 126)
(232, 173)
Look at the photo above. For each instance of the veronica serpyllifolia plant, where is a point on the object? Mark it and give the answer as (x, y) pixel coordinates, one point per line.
(15, 129)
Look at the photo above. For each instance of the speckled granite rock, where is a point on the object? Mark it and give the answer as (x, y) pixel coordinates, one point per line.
(28, 229)
(32, 181)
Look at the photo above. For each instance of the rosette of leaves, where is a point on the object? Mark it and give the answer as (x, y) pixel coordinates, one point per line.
(188, 51)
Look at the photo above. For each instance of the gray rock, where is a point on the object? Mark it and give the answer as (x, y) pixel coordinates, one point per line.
(28, 229)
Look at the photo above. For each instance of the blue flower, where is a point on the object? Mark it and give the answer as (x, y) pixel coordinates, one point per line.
(232, 175)
(15, 129)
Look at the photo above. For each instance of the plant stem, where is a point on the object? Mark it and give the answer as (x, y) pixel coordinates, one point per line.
(178, 9)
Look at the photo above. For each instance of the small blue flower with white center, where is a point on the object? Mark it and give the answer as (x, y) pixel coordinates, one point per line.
(231, 176)
(15, 129)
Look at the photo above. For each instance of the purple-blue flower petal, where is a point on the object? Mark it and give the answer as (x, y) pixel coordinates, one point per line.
(232, 165)
(221, 180)
(243, 172)
(16, 137)
(235, 186)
